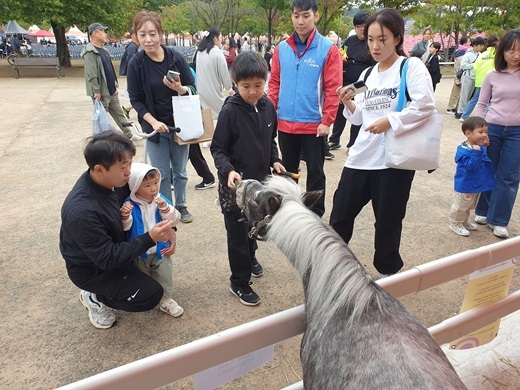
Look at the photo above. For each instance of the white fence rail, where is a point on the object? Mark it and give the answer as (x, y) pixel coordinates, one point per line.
(186, 360)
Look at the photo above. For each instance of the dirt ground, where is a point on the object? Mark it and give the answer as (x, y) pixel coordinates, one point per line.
(47, 340)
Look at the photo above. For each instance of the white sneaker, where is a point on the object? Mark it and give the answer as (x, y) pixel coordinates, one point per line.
(470, 226)
(171, 307)
(481, 220)
(101, 316)
(499, 231)
(460, 230)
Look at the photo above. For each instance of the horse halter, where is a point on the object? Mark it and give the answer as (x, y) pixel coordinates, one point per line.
(254, 233)
(256, 226)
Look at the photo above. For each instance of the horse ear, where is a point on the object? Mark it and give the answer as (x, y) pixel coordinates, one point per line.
(274, 202)
(310, 197)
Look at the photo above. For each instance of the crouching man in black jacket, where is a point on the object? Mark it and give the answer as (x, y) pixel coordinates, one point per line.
(92, 240)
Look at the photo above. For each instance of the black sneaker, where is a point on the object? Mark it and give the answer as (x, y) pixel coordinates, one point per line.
(329, 156)
(185, 214)
(256, 269)
(205, 186)
(246, 295)
(334, 145)
(457, 115)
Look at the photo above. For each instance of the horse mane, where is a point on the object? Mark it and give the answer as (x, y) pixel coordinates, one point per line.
(332, 276)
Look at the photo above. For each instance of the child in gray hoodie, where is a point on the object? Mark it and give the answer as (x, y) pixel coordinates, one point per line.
(145, 207)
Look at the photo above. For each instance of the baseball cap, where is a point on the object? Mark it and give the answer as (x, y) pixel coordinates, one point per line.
(96, 26)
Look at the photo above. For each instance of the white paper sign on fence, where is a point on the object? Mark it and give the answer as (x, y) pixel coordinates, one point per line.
(228, 371)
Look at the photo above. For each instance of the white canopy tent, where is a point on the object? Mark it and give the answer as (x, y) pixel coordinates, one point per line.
(14, 28)
(34, 28)
(75, 31)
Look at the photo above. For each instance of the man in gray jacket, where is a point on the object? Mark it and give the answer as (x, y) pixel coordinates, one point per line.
(100, 76)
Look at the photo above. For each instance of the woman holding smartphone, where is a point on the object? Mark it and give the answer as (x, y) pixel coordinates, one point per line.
(151, 87)
(365, 176)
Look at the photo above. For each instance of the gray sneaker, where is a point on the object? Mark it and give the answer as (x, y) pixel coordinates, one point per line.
(101, 316)
(185, 214)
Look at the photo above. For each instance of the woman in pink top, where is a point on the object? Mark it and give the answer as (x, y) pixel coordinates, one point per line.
(498, 104)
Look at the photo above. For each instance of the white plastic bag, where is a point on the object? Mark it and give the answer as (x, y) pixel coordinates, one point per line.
(187, 116)
(100, 120)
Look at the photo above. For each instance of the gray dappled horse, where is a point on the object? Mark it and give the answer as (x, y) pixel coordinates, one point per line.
(357, 336)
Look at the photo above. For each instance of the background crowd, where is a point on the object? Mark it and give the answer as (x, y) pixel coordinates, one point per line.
(307, 105)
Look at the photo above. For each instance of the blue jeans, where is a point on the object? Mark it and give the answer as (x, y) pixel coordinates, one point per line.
(169, 153)
(497, 205)
(471, 104)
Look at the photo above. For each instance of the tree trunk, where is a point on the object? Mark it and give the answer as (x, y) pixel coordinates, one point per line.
(62, 49)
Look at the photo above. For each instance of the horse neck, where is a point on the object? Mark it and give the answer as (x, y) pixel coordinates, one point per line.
(331, 274)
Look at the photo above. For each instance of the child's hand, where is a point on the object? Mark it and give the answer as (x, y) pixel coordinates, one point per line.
(232, 177)
(476, 147)
(126, 209)
(278, 167)
(160, 202)
(485, 141)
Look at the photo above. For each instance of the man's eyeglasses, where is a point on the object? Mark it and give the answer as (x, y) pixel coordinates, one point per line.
(360, 26)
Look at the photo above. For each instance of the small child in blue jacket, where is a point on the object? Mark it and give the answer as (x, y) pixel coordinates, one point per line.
(142, 210)
(474, 174)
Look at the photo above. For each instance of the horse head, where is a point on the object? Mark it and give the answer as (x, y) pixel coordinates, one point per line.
(259, 202)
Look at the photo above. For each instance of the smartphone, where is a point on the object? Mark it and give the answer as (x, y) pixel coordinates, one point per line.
(173, 75)
(357, 87)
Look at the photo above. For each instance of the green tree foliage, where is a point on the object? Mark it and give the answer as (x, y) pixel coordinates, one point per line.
(218, 13)
(404, 6)
(454, 18)
(451, 18)
(157, 5)
(11, 10)
(272, 9)
(330, 11)
(61, 14)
